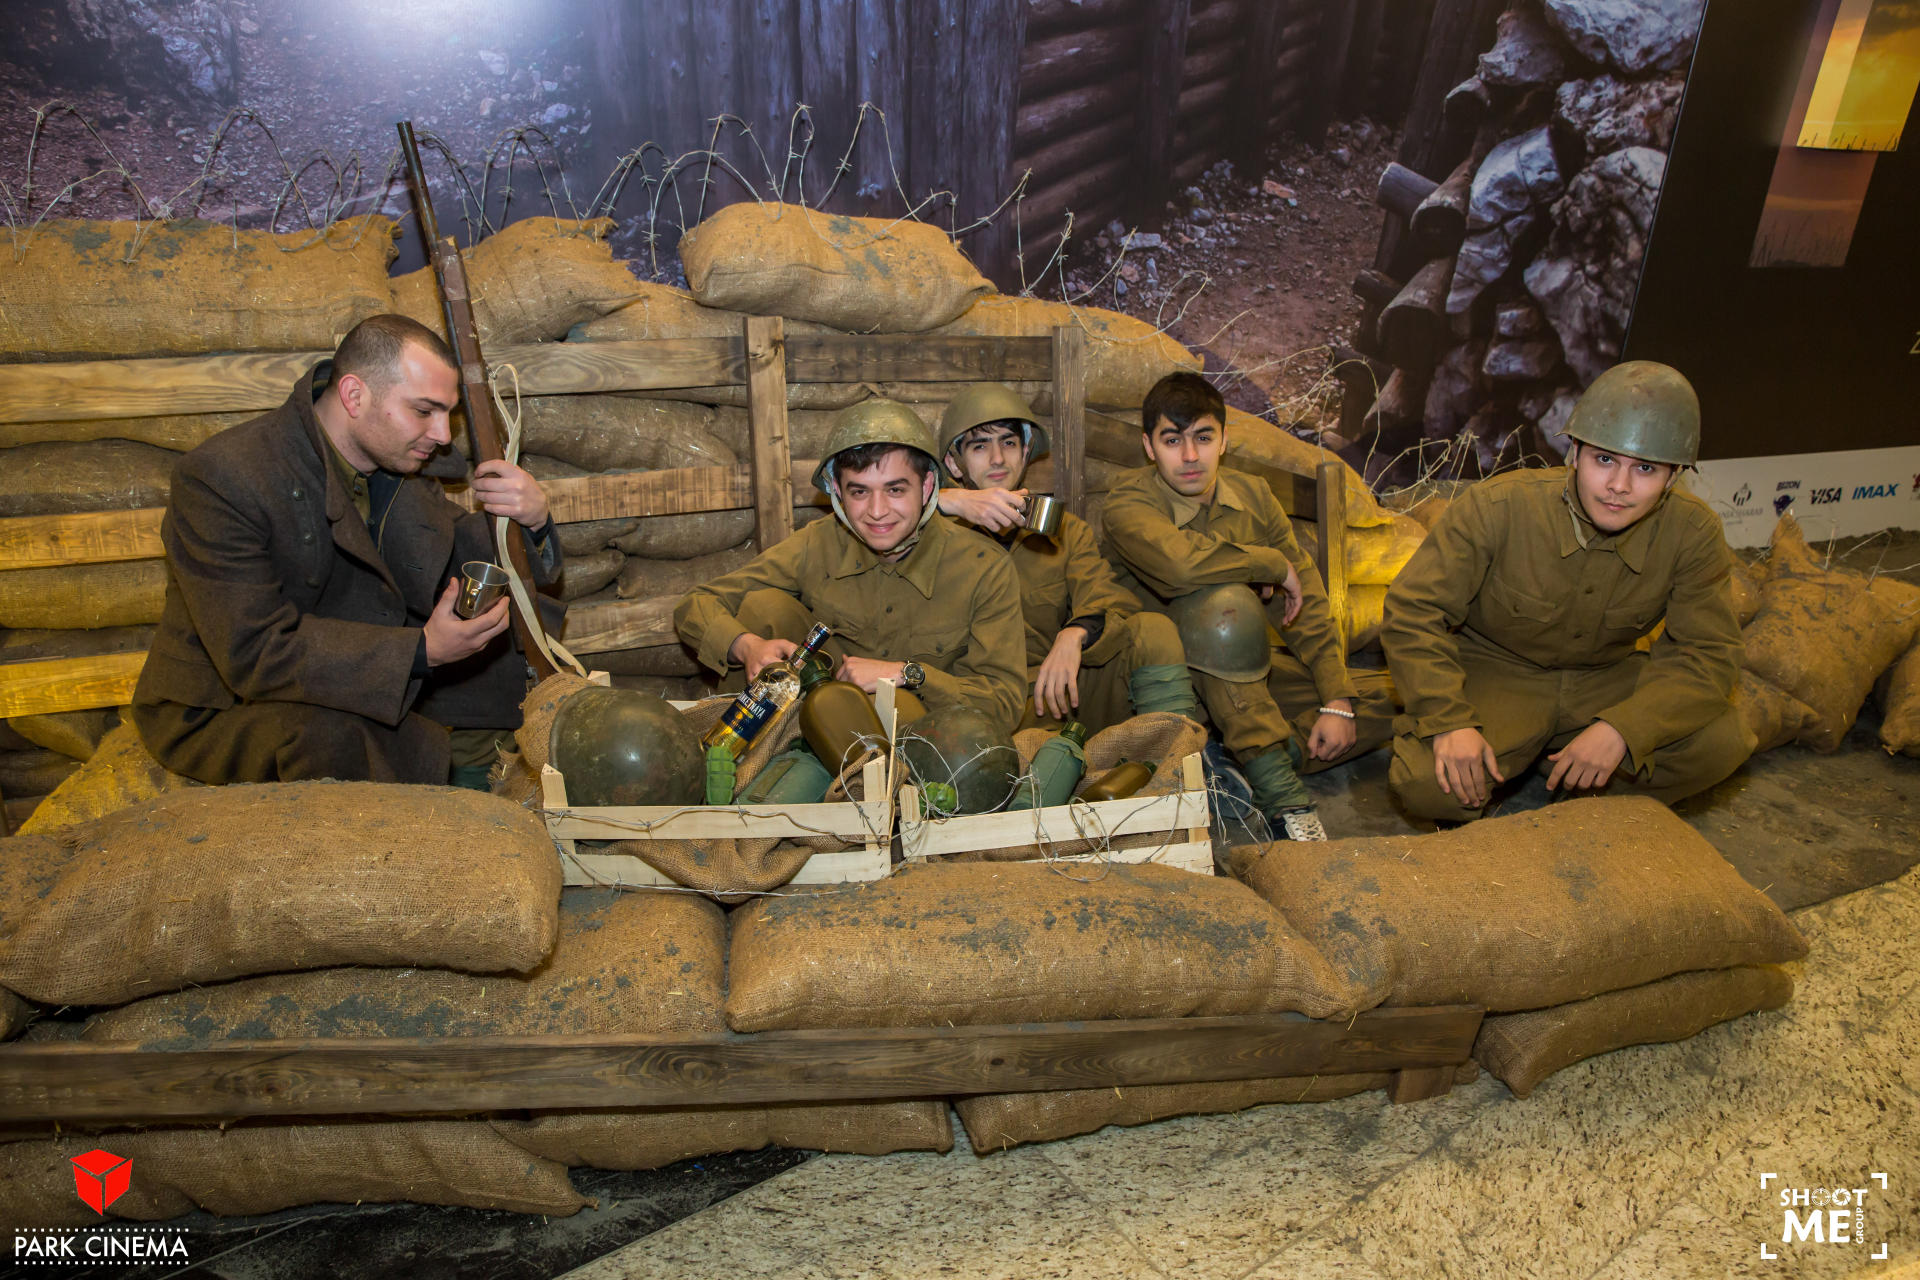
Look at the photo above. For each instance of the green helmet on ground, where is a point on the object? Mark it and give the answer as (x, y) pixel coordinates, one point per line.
(985, 402)
(622, 746)
(1642, 409)
(875, 422)
(961, 747)
(1224, 631)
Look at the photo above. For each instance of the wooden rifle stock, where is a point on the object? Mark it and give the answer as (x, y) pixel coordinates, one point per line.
(476, 396)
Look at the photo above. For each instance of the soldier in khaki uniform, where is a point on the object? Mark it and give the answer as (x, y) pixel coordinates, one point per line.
(911, 595)
(1093, 655)
(1513, 630)
(1185, 526)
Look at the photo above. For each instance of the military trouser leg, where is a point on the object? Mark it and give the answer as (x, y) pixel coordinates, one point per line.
(291, 742)
(1145, 640)
(1298, 697)
(1684, 767)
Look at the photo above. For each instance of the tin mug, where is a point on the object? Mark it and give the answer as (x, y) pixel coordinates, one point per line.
(1044, 513)
(481, 583)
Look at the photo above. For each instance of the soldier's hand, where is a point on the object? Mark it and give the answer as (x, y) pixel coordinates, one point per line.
(995, 510)
(755, 654)
(1056, 686)
(1292, 588)
(451, 637)
(866, 673)
(1333, 736)
(505, 490)
(1589, 760)
(1462, 761)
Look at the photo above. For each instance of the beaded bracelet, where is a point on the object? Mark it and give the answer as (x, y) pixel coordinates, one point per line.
(1335, 711)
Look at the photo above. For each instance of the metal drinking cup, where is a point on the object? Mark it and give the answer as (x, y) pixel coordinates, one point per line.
(1044, 513)
(481, 584)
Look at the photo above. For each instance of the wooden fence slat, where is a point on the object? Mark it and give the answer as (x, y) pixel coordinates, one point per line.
(911, 357)
(93, 537)
(74, 1083)
(1070, 418)
(1162, 62)
(620, 624)
(68, 684)
(772, 461)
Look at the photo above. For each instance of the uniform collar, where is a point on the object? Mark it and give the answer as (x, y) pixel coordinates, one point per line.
(1578, 533)
(921, 567)
(1183, 509)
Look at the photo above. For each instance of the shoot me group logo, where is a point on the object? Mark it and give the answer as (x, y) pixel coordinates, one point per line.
(1824, 1217)
(99, 1178)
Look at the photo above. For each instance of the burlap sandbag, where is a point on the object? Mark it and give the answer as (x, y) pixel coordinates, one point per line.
(119, 773)
(71, 733)
(1748, 582)
(867, 275)
(674, 537)
(984, 943)
(1163, 739)
(220, 882)
(1774, 717)
(578, 537)
(1523, 1049)
(15, 1014)
(662, 311)
(1524, 911)
(531, 281)
(84, 596)
(642, 579)
(30, 865)
(33, 772)
(1374, 554)
(589, 571)
(1258, 440)
(996, 1121)
(99, 475)
(1900, 700)
(1125, 356)
(82, 288)
(258, 1167)
(1366, 614)
(622, 433)
(177, 431)
(1823, 635)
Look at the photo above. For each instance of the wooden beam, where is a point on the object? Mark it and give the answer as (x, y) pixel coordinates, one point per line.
(1163, 53)
(1259, 52)
(649, 493)
(1336, 43)
(772, 457)
(68, 684)
(79, 1083)
(1070, 418)
(95, 537)
(912, 357)
(81, 390)
(619, 624)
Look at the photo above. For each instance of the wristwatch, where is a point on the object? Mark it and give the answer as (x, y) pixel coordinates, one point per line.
(912, 675)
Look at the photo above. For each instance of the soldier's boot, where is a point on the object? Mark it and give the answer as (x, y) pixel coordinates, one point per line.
(1280, 794)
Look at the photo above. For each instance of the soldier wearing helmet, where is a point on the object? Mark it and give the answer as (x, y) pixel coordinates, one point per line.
(911, 595)
(1093, 655)
(1211, 546)
(1517, 628)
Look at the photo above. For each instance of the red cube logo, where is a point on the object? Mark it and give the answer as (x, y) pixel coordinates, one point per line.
(101, 1177)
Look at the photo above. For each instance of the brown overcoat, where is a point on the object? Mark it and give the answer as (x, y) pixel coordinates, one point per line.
(277, 596)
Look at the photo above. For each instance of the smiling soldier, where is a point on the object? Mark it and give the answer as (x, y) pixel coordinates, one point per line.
(1513, 631)
(911, 596)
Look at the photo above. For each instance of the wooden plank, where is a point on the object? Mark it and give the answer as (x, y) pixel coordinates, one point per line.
(847, 820)
(1162, 62)
(772, 461)
(911, 357)
(1336, 41)
(1417, 1084)
(620, 624)
(1261, 50)
(982, 78)
(1136, 815)
(69, 684)
(75, 1083)
(649, 493)
(1070, 418)
(1330, 502)
(625, 871)
(81, 390)
(95, 537)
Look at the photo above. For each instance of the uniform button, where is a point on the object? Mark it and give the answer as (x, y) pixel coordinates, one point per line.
(889, 608)
(298, 493)
(1589, 591)
(307, 537)
(313, 580)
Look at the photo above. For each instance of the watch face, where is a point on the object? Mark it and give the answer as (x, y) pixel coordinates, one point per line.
(911, 675)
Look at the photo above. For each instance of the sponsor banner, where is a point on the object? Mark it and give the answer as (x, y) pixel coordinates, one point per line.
(1831, 494)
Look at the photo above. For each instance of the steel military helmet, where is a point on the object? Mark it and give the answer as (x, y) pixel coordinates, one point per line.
(985, 402)
(1642, 409)
(875, 422)
(1224, 630)
(961, 747)
(622, 746)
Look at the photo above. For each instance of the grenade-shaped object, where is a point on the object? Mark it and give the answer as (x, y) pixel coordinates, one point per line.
(1119, 782)
(1056, 770)
(795, 776)
(720, 774)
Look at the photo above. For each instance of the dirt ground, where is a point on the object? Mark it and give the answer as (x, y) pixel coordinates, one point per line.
(1255, 268)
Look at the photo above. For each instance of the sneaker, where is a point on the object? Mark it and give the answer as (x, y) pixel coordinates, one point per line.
(1301, 824)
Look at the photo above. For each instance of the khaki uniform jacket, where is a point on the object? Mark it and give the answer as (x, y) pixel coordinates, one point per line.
(1172, 545)
(1063, 578)
(276, 591)
(1504, 578)
(953, 606)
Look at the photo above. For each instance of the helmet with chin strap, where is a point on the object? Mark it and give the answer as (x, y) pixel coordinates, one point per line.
(874, 422)
(1642, 409)
(986, 402)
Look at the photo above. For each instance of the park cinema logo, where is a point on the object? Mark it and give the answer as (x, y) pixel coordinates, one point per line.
(1826, 1217)
(99, 1178)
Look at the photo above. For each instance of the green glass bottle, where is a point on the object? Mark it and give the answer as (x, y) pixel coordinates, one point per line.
(795, 776)
(1120, 781)
(1056, 770)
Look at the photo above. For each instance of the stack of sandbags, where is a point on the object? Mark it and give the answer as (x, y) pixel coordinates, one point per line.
(990, 943)
(1596, 923)
(1818, 641)
(530, 281)
(1899, 692)
(119, 772)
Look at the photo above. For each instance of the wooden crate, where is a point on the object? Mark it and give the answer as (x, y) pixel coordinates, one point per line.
(867, 823)
(1182, 816)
